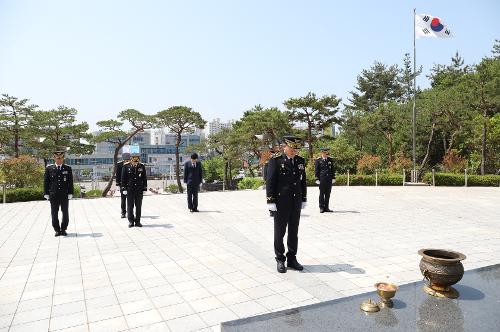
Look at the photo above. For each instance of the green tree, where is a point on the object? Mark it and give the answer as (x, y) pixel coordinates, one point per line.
(111, 132)
(260, 127)
(227, 145)
(56, 129)
(316, 113)
(376, 86)
(180, 120)
(483, 89)
(15, 117)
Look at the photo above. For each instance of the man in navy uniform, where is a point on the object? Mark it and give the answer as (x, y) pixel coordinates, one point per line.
(286, 193)
(119, 168)
(193, 176)
(324, 170)
(134, 183)
(58, 189)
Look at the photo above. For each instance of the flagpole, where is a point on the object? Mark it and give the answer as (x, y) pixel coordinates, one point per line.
(414, 119)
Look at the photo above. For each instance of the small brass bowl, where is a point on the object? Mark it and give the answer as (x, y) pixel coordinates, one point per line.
(386, 291)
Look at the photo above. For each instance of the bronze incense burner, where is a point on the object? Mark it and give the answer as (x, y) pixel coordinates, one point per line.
(442, 269)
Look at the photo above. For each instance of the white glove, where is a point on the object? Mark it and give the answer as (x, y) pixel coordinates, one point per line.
(317, 181)
(272, 207)
(304, 205)
(124, 192)
(333, 181)
(70, 196)
(47, 197)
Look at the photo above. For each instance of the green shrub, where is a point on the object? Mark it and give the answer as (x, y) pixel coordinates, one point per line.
(94, 193)
(362, 180)
(22, 172)
(445, 179)
(458, 180)
(483, 180)
(24, 194)
(172, 188)
(76, 190)
(385, 179)
(310, 176)
(390, 179)
(250, 183)
(340, 180)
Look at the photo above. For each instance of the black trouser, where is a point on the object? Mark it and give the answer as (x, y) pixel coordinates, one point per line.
(124, 202)
(192, 196)
(287, 214)
(56, 201)
(134, 198)
(325, 188)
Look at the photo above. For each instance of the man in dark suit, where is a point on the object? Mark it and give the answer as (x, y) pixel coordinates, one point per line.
(286, 193)
(134, 183)
(58, 189)
(119, 168)
(324, 170)
(193, 177)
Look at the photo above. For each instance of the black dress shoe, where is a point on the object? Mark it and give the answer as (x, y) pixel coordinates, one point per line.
(130, 224)
(63, 233)
(138, 224)
(294, 265)
(196, 210)
(321, 210)
(123, 215)
(281, 267)
(57, 233)
(328, 210)
(191, 210)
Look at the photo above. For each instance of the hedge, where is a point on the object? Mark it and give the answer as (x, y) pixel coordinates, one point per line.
(94, 193)
(458, 180)
(384, 179)
(24, 195)
(29, 194)
(250, 183)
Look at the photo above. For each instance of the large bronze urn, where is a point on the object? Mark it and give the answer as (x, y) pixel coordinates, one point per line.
(442, 268)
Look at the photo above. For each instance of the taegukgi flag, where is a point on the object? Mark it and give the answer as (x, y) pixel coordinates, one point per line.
(430, 26)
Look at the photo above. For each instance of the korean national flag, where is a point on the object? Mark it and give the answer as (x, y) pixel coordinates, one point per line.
(431, 26)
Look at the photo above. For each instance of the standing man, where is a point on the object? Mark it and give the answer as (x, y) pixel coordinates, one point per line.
(119, 168)
(193, 177)
(286, 195)
(58, 189)
(134, 183)
(324, 171)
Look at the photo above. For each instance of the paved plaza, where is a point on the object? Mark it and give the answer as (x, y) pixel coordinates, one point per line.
(190, 271)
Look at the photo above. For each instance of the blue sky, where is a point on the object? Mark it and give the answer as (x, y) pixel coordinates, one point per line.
(218, 57)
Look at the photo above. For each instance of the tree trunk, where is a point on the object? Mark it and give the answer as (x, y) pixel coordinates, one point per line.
(16, 138)
(113, 171)
(177, 163)
(424, 161)
(309, 139)
(483, 145)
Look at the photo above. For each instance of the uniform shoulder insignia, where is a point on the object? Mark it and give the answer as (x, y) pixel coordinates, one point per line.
(299, 158)
(121, 162)
(50, 165)
(126, 162)
(276, 155)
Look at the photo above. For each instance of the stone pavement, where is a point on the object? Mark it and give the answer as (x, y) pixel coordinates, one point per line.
(184, 271)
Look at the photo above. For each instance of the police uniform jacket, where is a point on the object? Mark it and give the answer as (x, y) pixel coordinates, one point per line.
(58, 182)
(119, 168)
(286, 180)
(134, 178)
(324, 169)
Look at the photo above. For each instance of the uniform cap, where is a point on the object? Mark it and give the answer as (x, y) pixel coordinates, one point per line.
(292, 141)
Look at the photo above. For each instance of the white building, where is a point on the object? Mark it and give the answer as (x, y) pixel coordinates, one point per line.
(216, 125)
